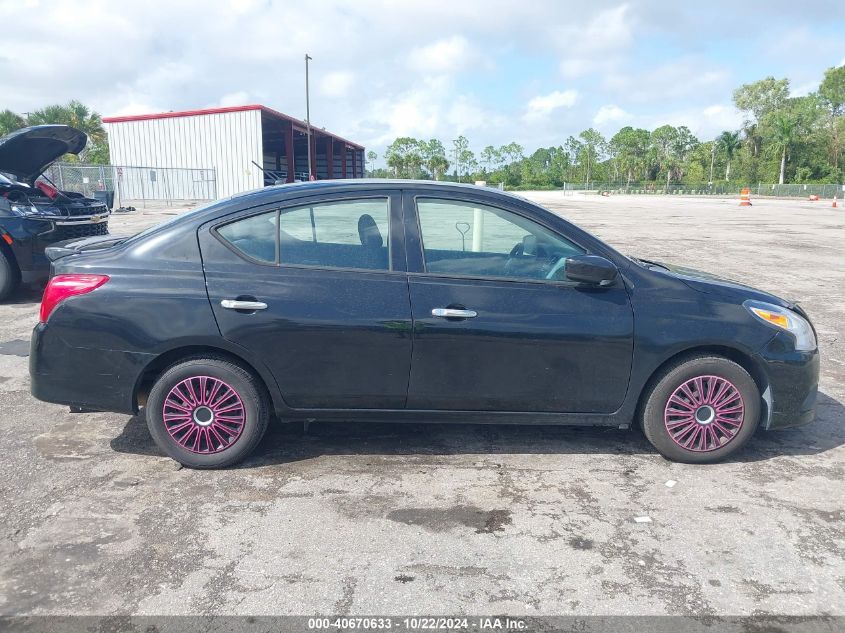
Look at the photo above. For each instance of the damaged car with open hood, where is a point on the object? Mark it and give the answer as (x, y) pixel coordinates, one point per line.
(34, 213)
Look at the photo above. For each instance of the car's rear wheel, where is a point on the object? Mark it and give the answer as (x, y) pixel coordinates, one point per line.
(207, 412)
(701, 409)
(9, 276)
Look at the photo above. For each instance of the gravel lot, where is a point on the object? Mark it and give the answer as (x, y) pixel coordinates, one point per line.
(423, 519)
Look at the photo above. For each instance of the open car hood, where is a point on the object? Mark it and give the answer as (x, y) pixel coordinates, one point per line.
(27, 152)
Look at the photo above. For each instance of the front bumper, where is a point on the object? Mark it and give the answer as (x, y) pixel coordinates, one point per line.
(97, 379)
(793, 382)
(30, 236)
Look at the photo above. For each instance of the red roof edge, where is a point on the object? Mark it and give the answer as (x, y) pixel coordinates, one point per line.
(243, 108)
(173, 115)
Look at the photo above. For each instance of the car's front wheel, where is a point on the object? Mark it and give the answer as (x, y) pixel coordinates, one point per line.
(9, 277)
(207, 412)
(701, 409)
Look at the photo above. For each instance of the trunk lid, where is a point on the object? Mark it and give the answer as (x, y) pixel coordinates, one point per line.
(81, 245)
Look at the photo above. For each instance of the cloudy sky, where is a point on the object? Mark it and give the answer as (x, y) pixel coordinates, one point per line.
(534, 71)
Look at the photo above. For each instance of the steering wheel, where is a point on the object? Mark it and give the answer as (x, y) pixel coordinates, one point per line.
(556, 267)
(516, 251)
(541, 255)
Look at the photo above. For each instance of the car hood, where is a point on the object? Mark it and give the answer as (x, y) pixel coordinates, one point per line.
(713, 284)
(27, 152)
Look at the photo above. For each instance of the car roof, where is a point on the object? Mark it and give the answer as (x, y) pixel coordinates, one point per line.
(326, 186)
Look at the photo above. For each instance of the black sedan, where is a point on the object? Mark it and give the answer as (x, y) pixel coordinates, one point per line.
(409, 301)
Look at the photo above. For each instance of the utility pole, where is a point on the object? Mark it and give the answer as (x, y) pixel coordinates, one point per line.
(308, 116)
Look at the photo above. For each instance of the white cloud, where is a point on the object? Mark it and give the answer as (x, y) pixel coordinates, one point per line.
(337, 83)
(804, 89)
(610, 114)
(445, 56)
(542, 106)
(706, 122)
(241, 97)
(383, 68)
(676, 79)
(595, 45)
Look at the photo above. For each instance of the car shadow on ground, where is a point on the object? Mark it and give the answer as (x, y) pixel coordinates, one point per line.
(26, 293)
(286, 443)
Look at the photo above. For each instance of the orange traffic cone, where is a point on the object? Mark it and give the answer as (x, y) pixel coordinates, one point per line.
(813, 197)
(745, 197)
(834, 202)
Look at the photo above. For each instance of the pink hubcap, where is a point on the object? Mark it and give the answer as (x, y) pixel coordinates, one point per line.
(704, 413)
(204, 415)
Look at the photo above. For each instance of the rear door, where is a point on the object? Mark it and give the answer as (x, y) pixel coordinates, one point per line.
(497, 326)
(317, 288)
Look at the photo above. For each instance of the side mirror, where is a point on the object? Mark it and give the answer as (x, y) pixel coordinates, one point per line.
(590, 269)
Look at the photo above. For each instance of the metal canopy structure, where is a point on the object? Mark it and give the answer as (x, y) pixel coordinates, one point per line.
(232, 140)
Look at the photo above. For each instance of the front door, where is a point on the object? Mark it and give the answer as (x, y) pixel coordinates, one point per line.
(318, 290)
(496, 324)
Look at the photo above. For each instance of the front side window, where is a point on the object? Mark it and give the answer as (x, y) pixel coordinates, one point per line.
(340, 234)
(464, 238)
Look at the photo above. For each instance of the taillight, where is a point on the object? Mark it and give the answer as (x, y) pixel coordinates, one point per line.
(61, 287)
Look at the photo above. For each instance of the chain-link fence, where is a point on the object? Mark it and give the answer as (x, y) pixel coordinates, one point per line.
(136, 185)
(716, 189)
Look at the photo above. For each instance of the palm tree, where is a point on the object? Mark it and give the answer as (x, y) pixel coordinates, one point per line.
(9, 122)
(784, 128)
(730, 142)
(76, 115)
(437, 165)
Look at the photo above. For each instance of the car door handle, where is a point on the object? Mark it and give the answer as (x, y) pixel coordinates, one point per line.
(453, 313)
(234, 304)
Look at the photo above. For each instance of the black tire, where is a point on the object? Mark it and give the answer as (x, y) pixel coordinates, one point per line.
(251, 405)
(702, 434)
(9, 276)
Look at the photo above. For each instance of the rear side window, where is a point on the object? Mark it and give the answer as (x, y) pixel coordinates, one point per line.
(254, 236)
(350, 234)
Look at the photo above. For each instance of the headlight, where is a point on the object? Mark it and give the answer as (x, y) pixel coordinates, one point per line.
(21, 209)
(785, 319)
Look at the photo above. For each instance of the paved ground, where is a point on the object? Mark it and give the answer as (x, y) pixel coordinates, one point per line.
(473, 519)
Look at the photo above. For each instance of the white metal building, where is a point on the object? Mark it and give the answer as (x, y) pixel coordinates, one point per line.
(231, 141)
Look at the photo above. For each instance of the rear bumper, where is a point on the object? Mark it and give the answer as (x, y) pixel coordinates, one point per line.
(99, 379)
(793, 379)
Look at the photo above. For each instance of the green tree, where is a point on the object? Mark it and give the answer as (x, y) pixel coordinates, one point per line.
(664, 141)
(730, 144)
(79, 116)
(434, 157)
(512, 152)
(10, 121)
(593, 145)
(404, 157)
(762, 97)
(784, 127)
(630, 146)
(372, 157)
(464, 157)
(490, 158)
(832, 89)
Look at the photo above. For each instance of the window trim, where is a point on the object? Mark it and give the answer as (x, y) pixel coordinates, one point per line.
(298, 204)
(425, 273)
(246, 256)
